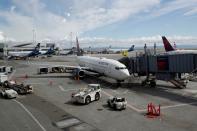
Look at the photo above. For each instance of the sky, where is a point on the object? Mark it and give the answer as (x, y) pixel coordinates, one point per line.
(99, 22)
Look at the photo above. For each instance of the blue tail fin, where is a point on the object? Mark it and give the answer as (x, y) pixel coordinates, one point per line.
(37, 48)
(131, 48)
(35, 52)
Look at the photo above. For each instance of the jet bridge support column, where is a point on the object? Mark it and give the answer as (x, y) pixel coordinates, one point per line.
(150, 81)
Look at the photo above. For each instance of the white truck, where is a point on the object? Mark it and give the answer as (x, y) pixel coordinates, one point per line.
(6, 69)
(117, 103)
(9, 93)
(87, 95)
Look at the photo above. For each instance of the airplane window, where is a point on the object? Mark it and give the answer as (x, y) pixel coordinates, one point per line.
(120, 68)
(117, 68)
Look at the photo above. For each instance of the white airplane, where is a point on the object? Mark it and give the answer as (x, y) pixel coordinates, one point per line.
(104, 66)
(99, 65)
(24, 54)
(171, 50)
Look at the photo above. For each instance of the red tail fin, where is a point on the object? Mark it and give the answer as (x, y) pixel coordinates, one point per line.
(167, 45)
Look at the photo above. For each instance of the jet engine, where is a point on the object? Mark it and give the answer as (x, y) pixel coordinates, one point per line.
(78, 72)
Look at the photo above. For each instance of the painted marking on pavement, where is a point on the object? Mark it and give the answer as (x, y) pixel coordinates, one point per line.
(144, 110)
(178, 105)
(32, 116)
(173, 106)
(62, 89)
(68, 123)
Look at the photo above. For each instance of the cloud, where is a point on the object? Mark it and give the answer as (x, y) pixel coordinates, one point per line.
(125, 43)
(79, 16)
(174, 5)
(2, 37)
(83, 16)
(191, 12)
(12, 9)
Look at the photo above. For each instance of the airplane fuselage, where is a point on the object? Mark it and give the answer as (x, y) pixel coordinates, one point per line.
(18, 53)
(108, 67)
(181, 52)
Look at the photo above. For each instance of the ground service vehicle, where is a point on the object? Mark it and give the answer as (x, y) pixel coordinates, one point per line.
(87, 95)
(117, 103)
(9, 93)
(19, 88)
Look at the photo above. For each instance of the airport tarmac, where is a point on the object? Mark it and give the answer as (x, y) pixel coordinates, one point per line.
(50, 108)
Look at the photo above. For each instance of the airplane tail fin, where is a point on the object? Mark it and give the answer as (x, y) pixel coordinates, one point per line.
(79, 51)
(167, 45)
(37, 48)
(131, 48)
(52, 47)
(50, 51)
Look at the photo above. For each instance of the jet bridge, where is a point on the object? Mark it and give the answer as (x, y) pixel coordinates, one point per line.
(167, 67)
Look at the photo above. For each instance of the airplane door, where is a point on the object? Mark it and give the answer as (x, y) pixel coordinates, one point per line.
(108, 69)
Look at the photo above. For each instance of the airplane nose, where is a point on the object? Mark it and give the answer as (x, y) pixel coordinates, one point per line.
(125, 74)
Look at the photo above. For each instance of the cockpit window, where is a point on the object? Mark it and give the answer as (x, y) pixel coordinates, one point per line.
(120, 68)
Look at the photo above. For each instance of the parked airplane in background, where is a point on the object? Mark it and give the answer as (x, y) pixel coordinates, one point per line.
(50, 51)
(67, 51)
(24, 54)
(171, 50)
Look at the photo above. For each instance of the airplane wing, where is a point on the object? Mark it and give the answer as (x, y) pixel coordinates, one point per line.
(21, 45)
(75, 70)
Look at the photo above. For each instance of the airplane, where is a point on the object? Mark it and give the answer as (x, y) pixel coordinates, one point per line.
(99, 65)
(121, 51)
(24, 54)
(68, 51)
(49, 52)
(110, 50)
(171, 50)
(107, 67)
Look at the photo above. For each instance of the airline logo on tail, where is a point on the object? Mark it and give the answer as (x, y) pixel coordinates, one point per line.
(131, 48)
(35, 52)
(50, 51)
(167, 45)
(37, 48)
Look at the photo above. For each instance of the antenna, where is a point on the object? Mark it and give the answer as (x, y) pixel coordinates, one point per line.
(34, 31)
(71, 39)
(34, 36)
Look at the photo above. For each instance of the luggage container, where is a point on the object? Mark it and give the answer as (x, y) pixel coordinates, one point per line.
(57, 69)
(2, 69)
(9, 69)
(3, 78)
(43, 70)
